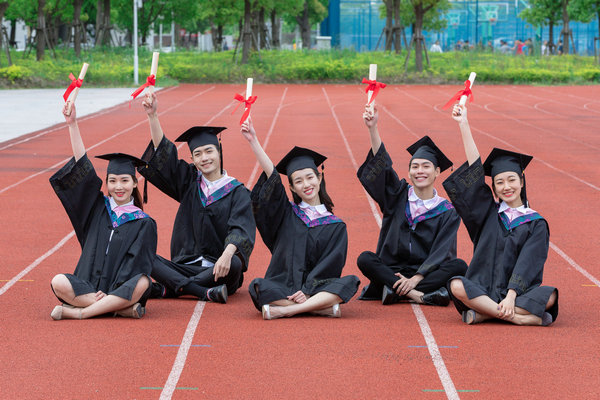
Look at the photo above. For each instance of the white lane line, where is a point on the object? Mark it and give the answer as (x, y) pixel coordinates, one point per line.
(266, 142)
(434, 350)
(102, 142)
(573, 264)
(537, 159)
(37, 262)
(62, 125)
(182, 353)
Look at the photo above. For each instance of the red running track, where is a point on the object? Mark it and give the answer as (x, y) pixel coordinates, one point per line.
(188, 349)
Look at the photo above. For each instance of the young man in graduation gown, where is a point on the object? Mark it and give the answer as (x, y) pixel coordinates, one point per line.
(214, 230)
(416, 250)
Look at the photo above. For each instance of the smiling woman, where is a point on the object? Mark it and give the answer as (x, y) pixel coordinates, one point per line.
(307, 241)
(117, 279)
(504, 279)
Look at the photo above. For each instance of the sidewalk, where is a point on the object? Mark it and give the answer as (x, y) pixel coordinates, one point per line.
(28, 110)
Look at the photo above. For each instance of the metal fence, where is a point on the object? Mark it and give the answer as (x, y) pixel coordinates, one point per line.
(357, 24)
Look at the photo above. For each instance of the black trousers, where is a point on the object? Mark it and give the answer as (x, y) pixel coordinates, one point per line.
(380, 274)
(176, 276)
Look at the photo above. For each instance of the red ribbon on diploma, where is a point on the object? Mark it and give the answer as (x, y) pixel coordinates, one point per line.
(74, 83)
(247, 102)
(374, 86)
(463, 92)
(150, 81)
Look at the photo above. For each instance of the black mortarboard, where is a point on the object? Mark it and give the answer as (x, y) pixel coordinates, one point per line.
(201, 136)
(501, 160)
(426, 149)
(299, 158)
(119, 163)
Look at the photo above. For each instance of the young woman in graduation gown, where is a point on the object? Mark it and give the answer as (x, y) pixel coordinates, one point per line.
(307, 242)
(504, 278)
(416, 249)
(214, 230)
(117, 238)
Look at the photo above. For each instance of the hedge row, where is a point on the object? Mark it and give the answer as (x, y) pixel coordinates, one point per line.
(114, 67)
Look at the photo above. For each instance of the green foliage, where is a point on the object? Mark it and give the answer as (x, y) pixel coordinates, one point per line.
(114, 67)
(14, 73)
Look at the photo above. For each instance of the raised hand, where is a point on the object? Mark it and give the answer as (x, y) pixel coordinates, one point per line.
(370, 116)
(70, 118)
(247, 130)
(150, 103)
(459, 113)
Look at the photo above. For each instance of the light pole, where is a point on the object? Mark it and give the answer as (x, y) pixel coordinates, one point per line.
(136, 4)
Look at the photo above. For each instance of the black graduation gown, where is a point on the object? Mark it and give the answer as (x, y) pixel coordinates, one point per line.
(421, 245)
(200, 229)
(306, 255)
(112, 265)
(503, 258)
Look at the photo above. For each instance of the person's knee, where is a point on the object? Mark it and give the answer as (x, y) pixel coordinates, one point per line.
(457, 289)
(365, 260)
(60, 284)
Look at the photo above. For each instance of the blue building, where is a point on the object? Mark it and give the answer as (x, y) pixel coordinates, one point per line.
(358, 24)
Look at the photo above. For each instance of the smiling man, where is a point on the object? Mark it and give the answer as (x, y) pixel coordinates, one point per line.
(416, 250)
(214, 229)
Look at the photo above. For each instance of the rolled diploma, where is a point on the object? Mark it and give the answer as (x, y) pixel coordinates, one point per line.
(75, 91)
(463, 99)
(372, 77)
(248, 89)
(154, 68)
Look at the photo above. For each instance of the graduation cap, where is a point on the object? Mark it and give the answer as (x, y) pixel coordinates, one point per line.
(299, 158)
(501, 160)
(425, 148)
(120, 163)
(198, 136)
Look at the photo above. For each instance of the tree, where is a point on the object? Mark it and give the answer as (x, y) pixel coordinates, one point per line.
(566, 32)
(313, 11)
(585, 11)
(426, 13)
(219, 14)
(40, 32)
(541, 13)
(393, 25)
(3, 7)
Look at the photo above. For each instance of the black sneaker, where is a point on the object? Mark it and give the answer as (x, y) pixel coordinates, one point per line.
(217, 294)
(157, 291)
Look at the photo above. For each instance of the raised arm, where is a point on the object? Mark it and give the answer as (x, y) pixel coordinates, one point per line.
(150, 104)
(249, 133)
(459, 113)
(76, 142)
(371, 117)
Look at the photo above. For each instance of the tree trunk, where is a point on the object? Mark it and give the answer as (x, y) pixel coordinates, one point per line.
(551, 38)
(246, 32)
(13, 32)
(565, 16)
(255, 29)
(40, 31)
(389, 21)
(106, 23)
(304, 24)
(262, 27)
(99, 19)
(77, 4)
(275, 29)
(3, 7)
(417, 37)
(397, 27)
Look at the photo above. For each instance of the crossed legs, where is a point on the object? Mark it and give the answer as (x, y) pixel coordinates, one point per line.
(91, 304)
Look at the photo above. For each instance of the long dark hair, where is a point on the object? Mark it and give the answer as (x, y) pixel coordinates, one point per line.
(137, 196)
(323, 195)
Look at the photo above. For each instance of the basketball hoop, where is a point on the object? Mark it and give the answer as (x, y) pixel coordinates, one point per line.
(492, 21)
